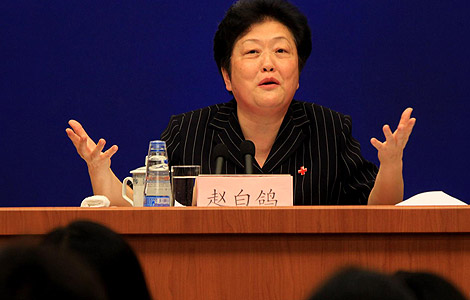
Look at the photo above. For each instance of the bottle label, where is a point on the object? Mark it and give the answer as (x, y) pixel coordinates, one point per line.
(156, 201)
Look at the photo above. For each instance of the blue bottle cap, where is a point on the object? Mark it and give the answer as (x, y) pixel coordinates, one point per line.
(158, 146)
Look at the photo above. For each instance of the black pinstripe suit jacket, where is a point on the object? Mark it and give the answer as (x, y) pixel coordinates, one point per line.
(311, 136)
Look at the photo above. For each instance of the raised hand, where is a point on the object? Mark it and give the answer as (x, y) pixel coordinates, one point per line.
(103, 180)
(389, 185)
(88, 150)
(391, 151)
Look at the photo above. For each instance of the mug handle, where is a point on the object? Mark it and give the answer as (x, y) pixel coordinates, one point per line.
(124, 190)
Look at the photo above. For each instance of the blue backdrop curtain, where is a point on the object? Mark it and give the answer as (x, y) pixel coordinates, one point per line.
(122, 68)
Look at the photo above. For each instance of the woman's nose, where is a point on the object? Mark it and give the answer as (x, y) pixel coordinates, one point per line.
(267, 65)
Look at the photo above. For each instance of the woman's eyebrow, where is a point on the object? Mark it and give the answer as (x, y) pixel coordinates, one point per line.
(259, 41)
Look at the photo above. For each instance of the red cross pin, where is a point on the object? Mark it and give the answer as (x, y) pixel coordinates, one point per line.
(302, 170)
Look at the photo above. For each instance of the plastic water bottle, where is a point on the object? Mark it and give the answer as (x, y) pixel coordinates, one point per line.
(157, 189)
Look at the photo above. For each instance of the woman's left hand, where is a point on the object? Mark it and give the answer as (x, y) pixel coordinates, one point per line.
(391, 151)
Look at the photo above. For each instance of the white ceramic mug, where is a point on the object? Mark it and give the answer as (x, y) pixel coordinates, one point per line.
(138, 180)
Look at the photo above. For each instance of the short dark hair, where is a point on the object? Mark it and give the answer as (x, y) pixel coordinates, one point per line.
(31, 272)
(245, 13)
(105, 251)
(429, 286)
(361, 284)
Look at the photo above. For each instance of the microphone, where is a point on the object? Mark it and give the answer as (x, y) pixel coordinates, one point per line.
(247, 148)
(220, 153)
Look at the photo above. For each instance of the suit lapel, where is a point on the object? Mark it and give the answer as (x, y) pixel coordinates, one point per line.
(228, 131)
(289, 138)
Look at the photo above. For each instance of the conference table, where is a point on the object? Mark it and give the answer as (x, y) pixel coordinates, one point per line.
(268, 253)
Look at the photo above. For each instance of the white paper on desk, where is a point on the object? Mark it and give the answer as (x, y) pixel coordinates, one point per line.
(431, 198)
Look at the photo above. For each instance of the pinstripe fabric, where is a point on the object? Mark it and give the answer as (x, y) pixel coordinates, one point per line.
(311, 136)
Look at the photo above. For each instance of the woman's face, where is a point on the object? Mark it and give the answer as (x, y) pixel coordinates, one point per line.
(265, 69)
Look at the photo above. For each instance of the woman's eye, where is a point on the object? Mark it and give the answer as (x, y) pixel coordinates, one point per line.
(281, 51)
(251, 52)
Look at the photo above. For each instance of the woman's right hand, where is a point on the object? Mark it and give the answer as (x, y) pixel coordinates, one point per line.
(96, 160)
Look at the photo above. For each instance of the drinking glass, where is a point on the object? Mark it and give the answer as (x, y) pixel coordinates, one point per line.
(183, 179)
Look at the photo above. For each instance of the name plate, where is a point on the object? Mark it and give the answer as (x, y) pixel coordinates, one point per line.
(244, 190)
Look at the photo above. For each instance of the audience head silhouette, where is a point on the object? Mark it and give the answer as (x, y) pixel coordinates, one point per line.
(428, 286)
(30, 272)
(108, 253)
(359, 284)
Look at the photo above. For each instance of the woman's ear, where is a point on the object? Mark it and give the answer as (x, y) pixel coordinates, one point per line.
(228, 82)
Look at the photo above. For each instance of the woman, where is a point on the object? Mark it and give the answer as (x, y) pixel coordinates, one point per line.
(260, 48)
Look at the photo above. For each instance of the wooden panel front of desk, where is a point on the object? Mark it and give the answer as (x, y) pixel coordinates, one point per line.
(284, 253)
